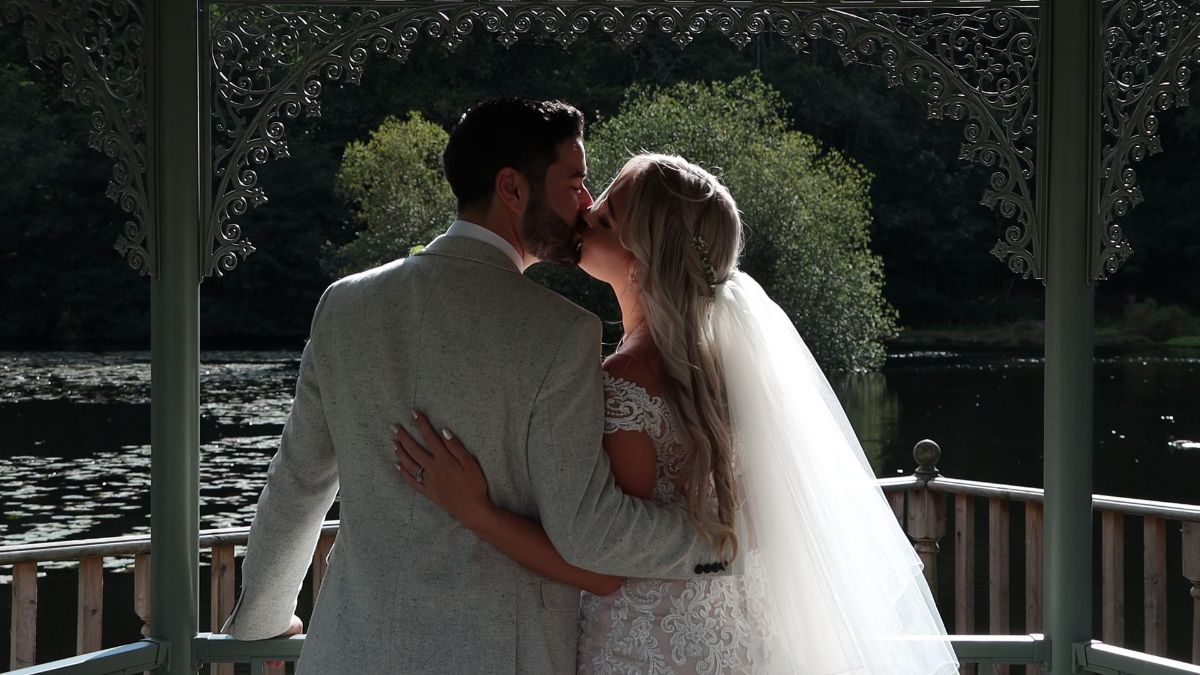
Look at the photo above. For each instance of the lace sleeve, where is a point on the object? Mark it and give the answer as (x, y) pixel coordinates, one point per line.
(629, 407)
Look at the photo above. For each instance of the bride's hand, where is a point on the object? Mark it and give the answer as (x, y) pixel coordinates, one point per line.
(449, 475)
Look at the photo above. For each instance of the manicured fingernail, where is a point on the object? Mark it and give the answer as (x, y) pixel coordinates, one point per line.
(414, 414)
(395, 428)
(398, 467)
(446, 434)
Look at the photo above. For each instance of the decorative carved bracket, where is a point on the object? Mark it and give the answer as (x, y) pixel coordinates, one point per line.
(269, 64)
(1150, 48)
(98, 47)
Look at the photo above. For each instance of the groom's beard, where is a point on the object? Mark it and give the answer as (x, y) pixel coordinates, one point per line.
(548, 237)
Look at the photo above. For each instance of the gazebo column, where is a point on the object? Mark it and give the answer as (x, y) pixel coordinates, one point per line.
(1068, 149)
(173, 156)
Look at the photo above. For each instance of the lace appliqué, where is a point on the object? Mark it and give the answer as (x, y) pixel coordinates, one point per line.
(629, 407)
(658, 627)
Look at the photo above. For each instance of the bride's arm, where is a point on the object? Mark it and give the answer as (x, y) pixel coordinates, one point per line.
(453, 480)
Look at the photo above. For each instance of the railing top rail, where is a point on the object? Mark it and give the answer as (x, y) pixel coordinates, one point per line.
(1189, 513)
(140, 543)
(141, 656)
(130, 544)
(1097, 657)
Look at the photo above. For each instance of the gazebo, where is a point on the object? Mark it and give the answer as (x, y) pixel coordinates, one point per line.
(1058, 98)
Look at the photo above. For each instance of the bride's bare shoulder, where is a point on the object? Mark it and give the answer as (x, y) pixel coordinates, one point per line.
(638, 366)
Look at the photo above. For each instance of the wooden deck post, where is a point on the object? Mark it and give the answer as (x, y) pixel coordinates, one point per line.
(23, 650)
(927, 511)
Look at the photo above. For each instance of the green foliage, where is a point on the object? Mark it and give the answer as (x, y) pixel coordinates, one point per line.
(399, 193)
(806, 208)
(1150, 320)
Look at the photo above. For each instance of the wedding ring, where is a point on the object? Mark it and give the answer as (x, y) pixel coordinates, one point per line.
(420, 475)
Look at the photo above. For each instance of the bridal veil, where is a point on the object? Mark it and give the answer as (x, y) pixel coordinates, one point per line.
(839, 587)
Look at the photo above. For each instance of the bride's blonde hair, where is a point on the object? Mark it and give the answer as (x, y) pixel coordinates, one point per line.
(683, 228)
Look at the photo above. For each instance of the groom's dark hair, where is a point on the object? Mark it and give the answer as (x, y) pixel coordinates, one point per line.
(506, 132)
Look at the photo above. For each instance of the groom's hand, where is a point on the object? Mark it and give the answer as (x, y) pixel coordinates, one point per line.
(296, 627)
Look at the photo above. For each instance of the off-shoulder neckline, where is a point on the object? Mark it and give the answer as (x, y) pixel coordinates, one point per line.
(609, 377)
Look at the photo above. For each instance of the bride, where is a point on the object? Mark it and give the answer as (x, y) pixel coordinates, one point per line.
(714, 404)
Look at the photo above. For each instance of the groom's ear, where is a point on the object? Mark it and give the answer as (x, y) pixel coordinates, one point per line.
(512, 189)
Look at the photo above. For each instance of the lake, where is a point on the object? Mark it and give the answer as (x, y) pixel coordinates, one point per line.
(75, 434)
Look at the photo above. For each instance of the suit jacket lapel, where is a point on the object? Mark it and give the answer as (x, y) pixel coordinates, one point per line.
(464, 248)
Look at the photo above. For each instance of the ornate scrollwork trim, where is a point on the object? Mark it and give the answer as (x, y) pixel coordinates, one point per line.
(270, 64)
(98, 47)
(1150, 48)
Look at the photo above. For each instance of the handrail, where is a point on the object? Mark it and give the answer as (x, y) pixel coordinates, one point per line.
(1000, 649)
(1097, 657)
(140, 543)
(990, 649)
(214, 648)
(137, 657)
(130, 544)
(1188, 513)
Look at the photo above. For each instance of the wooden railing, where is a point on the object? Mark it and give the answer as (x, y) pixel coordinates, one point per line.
(926, 504)
(91, 553)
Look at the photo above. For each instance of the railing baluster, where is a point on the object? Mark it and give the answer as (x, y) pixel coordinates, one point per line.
(91, 605)
(964, 569)
(23, 651)
(320, 562)
(998, 581)
(1112, 577)
(1034, 518)
(141, 590)
(1191, 572)
(1154, 559)
(223, 590)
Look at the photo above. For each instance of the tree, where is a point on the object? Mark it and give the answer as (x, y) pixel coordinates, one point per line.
(398, 190)
(805, 208)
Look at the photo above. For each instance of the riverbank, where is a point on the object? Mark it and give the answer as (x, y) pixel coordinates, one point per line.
(1027, 337)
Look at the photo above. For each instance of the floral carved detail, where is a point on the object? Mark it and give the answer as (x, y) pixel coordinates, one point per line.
(98, 47)
(270, 65)
(1150, 48)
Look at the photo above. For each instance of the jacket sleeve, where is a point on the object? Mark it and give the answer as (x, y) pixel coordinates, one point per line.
(592, 523)
(302, 482)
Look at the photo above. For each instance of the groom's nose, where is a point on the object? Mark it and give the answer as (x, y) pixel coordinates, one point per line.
(585, 199)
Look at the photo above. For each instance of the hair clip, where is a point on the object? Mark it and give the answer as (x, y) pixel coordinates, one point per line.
(701, 246)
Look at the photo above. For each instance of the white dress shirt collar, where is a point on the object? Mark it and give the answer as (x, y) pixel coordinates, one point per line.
(463, 228)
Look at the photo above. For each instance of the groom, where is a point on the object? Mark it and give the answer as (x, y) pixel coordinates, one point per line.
(458, 332)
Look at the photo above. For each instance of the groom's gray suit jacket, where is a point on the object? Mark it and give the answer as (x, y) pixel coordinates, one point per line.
(513, 369)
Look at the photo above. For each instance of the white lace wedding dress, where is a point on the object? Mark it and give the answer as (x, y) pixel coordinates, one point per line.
(655, 626)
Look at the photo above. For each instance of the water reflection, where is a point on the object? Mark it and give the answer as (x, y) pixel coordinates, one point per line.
(75, 454)
(873, 410)
(74, 430)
